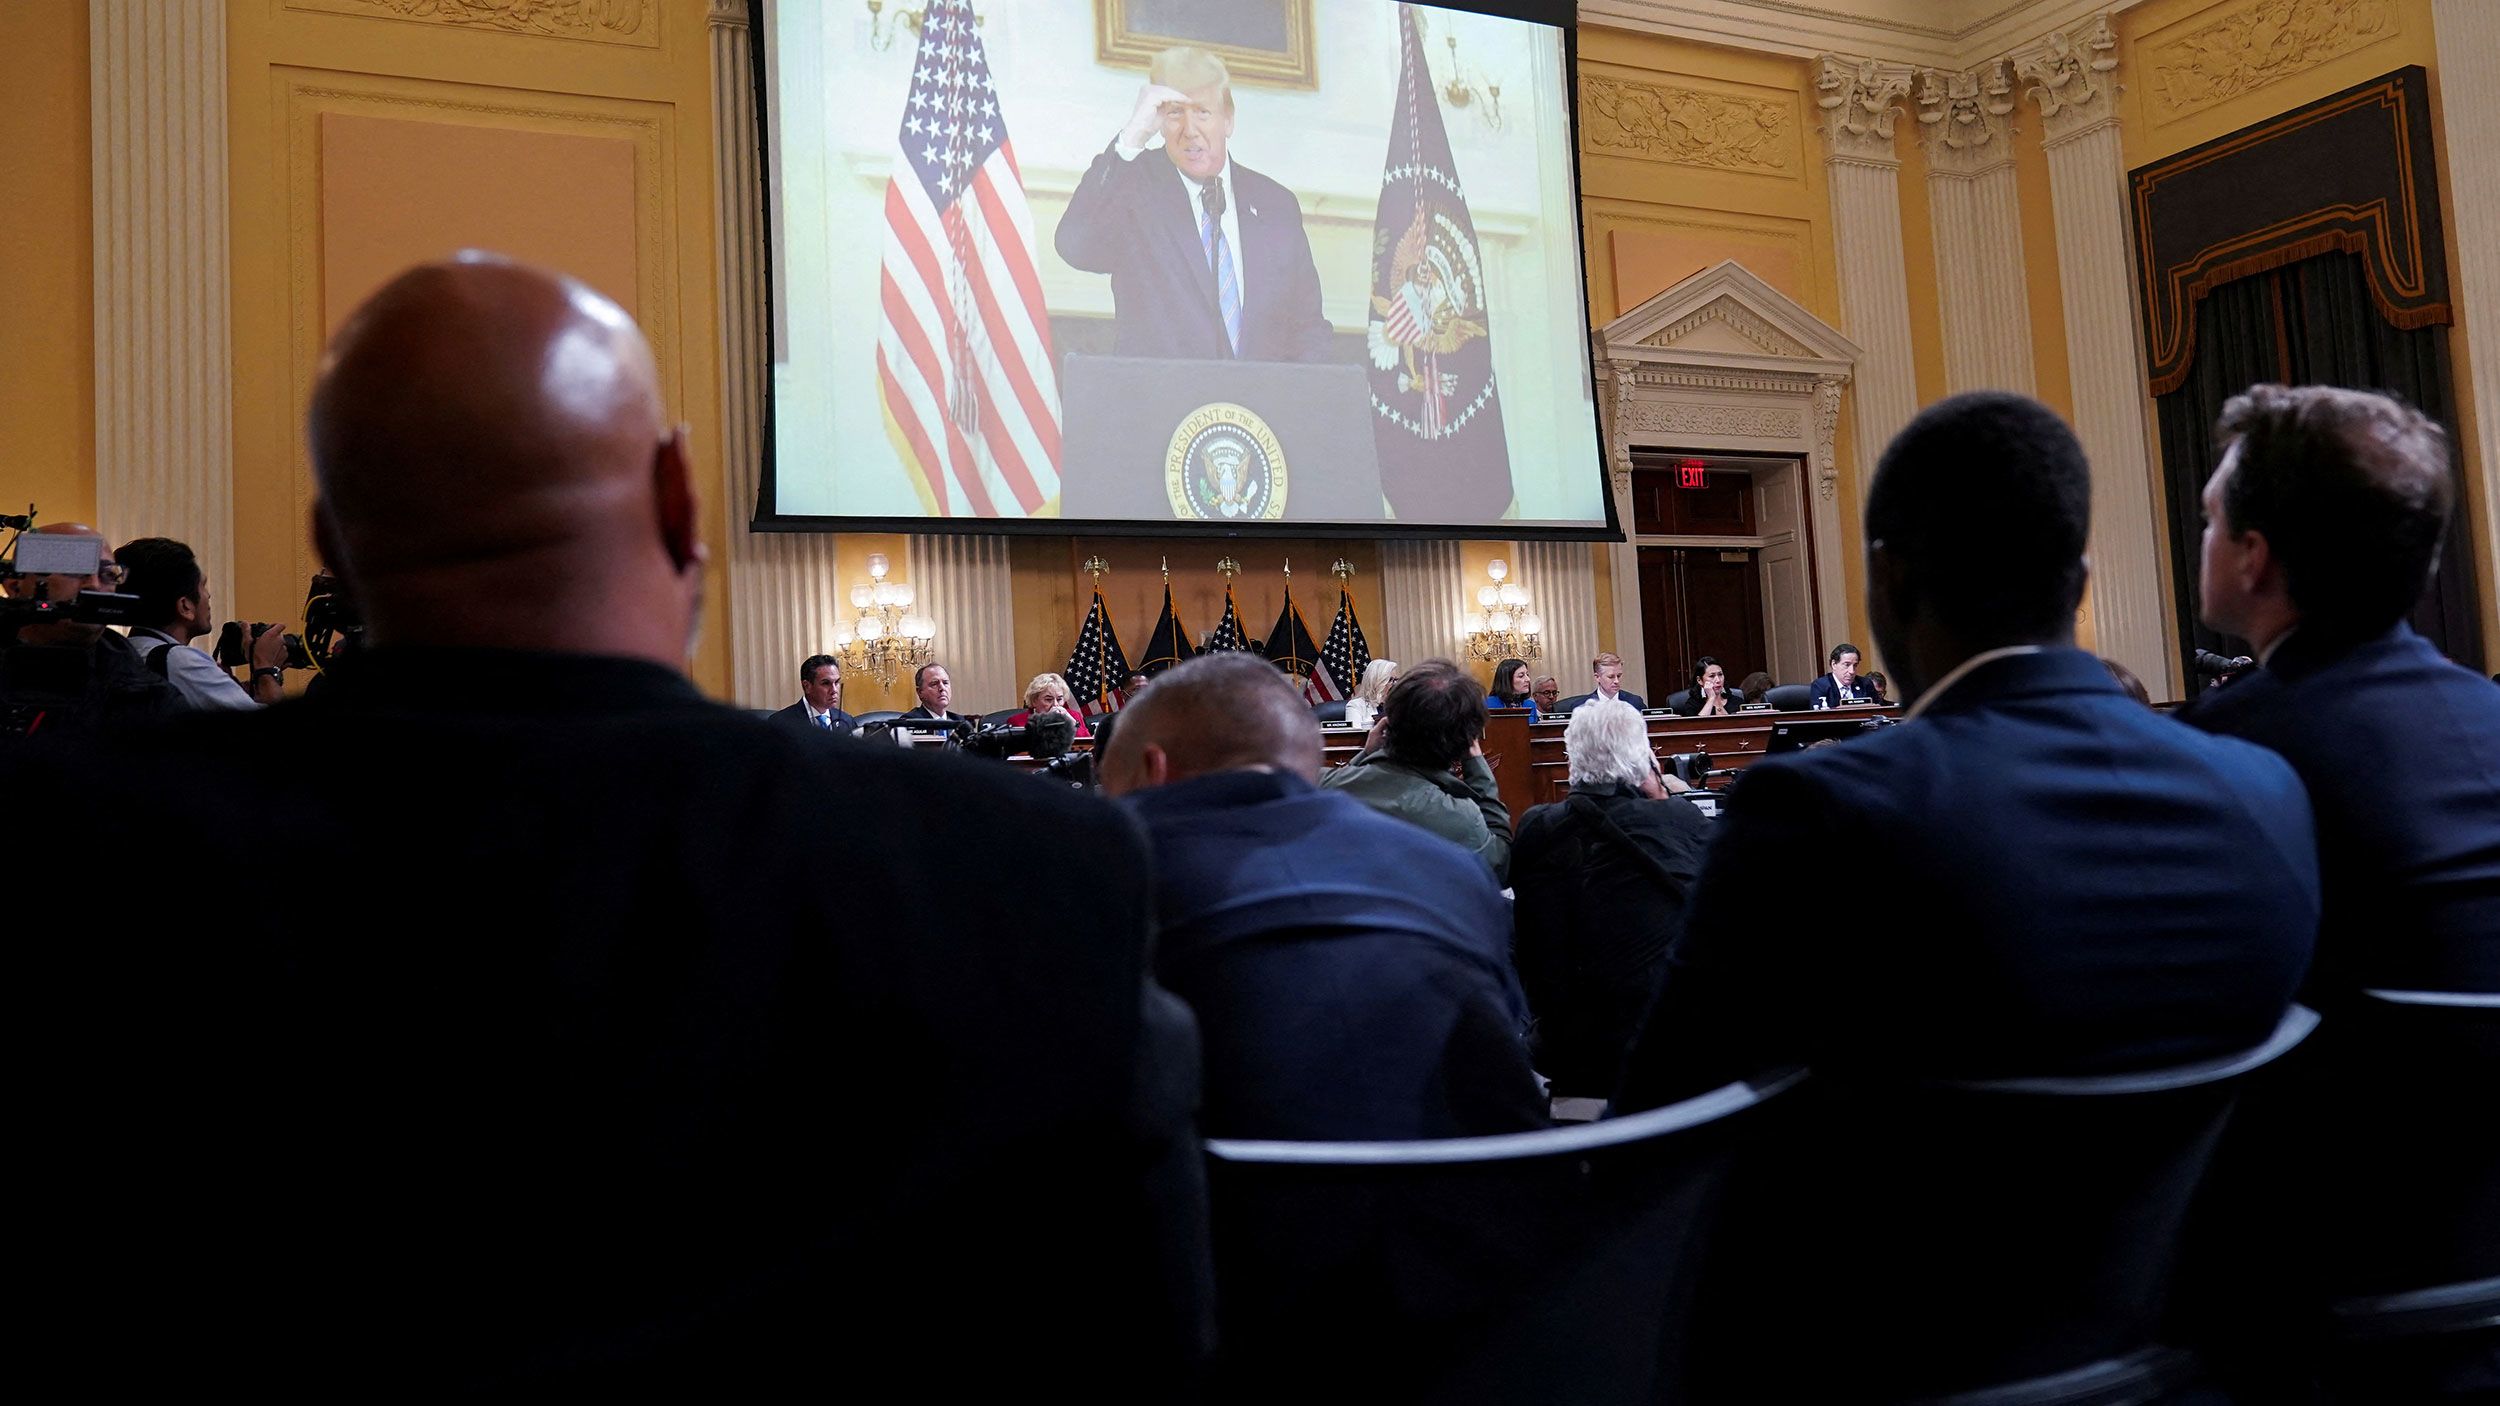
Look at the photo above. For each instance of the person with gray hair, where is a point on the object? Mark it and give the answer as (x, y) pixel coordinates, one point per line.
(1350, 972)
(1599, 881)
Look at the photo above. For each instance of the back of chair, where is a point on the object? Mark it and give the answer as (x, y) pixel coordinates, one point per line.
(1332, 711)
(997, 716)
(1535, 1266)
(1678, 701)
(886, 716)
(1934, 1238)
(1790, 697)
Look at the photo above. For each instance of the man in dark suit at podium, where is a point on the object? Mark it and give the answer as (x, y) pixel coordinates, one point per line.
(1207, 258)
(819, 708)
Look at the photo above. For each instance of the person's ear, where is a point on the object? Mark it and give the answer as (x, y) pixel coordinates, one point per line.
(1156, 763)
(672, 485)
(2259, 572)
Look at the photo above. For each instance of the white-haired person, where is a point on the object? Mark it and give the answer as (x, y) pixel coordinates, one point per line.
(1048, 693)
(1370, 692)
(1600, 879)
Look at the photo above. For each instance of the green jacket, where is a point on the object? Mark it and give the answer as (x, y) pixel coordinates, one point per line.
(1467, 813)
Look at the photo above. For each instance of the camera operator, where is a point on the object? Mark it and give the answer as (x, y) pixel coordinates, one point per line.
(71, 675)
(174, 609)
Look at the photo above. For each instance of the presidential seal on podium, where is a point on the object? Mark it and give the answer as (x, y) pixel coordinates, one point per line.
(1224, 463)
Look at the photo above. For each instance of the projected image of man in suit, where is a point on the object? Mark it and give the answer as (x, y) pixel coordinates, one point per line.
(1208, 260)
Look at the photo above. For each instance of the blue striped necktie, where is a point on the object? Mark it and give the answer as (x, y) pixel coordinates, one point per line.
(1219, 259)
(825, 720)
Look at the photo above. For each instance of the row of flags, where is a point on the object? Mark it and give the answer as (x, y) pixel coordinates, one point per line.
(966, 372)
(1098, 669)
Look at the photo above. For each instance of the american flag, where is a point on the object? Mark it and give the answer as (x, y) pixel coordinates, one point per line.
(1227, 633)
(963, 347)
(1344, 657)
(1097, 669)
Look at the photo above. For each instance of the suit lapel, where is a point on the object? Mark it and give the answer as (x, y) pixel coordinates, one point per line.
(1178, 223)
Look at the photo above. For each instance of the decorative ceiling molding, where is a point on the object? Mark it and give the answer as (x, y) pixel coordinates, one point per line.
(2247, 48)
(1688, 126)
(1953, 35)
(1861, 100)
(1962, 118)
(2071, 75)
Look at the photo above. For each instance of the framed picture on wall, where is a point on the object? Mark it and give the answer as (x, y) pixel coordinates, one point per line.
(1264, 42)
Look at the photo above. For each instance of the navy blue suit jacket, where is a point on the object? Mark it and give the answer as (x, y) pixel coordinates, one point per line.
(1566, 707)
(1350, 972)
(1135, 221)
(1827, 689)
(2036, 876)
(2400, 750)
(796, 716)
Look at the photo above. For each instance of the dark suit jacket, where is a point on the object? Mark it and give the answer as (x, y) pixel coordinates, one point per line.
(1136, 221)
(547, 1072)
(1688, 703)
(2037, 876)
(1564, 708)
(1827, 689)
(922, 712)
(796, 716)
(2400, 750)
(1350, 972)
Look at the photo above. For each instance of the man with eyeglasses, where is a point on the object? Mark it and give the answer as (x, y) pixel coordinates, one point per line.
(65, 675)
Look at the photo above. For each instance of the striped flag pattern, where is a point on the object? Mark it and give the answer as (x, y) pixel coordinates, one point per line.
(1346, 654)
(963, 342)
(1097, 668)
(1227, 633)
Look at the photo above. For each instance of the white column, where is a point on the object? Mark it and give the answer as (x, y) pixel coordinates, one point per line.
(1860, 101)
(2071, 78)
(966, 588)
(1977, 223)
(1561, 578)
(1624, 559)
(164, 443)
(1423, 596)
(2468, 33)
(784, 596)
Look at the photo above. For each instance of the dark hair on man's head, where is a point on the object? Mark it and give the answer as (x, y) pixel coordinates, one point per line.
(1844, 647)
(920, 675)
(162, 573)
(2352, 490)
(807, 670)
(1435, 714)
(1702, 666)
(1984, 504)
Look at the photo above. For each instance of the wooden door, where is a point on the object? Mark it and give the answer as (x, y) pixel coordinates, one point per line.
(1697, 601)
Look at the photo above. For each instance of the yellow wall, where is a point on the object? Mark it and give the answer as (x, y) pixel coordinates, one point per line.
(47, 298)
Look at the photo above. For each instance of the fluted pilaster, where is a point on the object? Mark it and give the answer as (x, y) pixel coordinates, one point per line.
(1977, 223)
(784, 601)
(1561, 578)
(1421, 592)
(2072, 79)
(966, 588)
(164, 446)
(2468, 33)
(1860, 102)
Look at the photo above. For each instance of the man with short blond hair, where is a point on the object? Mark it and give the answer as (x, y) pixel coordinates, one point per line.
(1605, 681)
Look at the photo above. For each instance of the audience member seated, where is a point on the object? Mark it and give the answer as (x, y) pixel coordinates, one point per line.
(1599, 881)
(64, 677)
(1423, 762)
(936, 691)
(1048, 693)
(2323, 526)
(1350, 973)
(2127, 681)
(1363, 709)
(1756, 689)
(1606, 678)
(174, 610)
(1514, 686)
(556, 1056)
(1879, 686)
(819, 708)
(1548, 696)
(1709, 697)
(1842, 684)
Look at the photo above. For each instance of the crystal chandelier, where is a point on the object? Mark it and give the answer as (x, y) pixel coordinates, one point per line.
(888, 637)
(1505, 627)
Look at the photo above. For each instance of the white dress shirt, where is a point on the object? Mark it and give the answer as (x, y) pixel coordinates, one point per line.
(1198, 212)
(193, 674)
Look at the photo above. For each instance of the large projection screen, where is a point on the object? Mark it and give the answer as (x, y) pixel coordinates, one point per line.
(1309, 267)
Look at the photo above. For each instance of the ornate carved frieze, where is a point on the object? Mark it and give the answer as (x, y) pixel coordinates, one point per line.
(1721, 419)
(2259, 43)
(633, 22)
(1826, 434)
(1860, 102)
(1962, 117)
(1737, 318)
(1688, 127)
(728, 14)
(1687, 378)
(1619, 452)
(2070, 77)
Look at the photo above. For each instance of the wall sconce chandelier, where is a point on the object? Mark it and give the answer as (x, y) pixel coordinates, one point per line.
(1505, 626)
(888, 637)
(884, 29)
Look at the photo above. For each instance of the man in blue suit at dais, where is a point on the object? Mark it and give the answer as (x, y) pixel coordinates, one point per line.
(2053, 879)
(1207, 257)
(1350, 971)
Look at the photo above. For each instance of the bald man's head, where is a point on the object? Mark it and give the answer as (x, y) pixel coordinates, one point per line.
(1219, 712)
(495, 467)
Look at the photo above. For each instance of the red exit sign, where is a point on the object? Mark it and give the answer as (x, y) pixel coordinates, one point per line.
(1691, 473)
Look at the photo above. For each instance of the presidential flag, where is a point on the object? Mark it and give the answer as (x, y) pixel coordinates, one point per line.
(1097, 668)
(1289, 648)
(963, 342)
(1228, 633)
(1435, 417)
(1346, 654)
(1170, 644)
